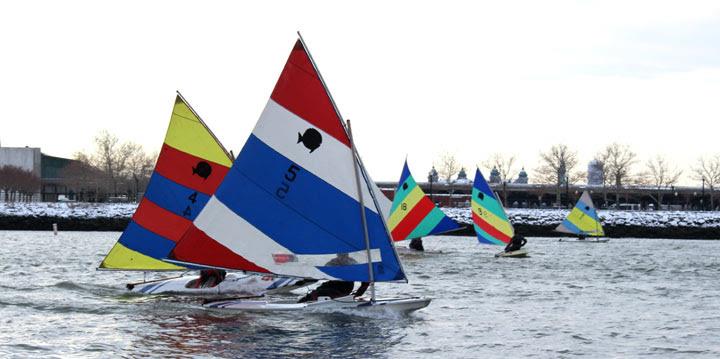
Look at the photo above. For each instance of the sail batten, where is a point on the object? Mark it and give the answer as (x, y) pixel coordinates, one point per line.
(190, 166)
(289, 204)
(490, 221)
(582, 219)
(413, 214)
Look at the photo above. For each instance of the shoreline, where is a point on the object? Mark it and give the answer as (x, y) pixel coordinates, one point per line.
(118, 224)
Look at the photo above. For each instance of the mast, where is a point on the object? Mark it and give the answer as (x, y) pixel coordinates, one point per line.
(371, 273)
(228, 154)
(357, 157)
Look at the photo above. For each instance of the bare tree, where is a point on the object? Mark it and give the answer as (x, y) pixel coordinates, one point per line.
(708, 170)
(505, 164)
(18, 184)
(449, 166)
(112, 157)
(139, 167)
(661, 176)
(618, 160)
(557, 166)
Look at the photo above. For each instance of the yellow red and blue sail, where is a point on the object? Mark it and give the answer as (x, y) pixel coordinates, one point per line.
(290, 204)
(190, 166)
(490, 221)
(413, 214)
(583, 219)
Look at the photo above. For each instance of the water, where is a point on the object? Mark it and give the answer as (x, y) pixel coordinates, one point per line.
(629, 298)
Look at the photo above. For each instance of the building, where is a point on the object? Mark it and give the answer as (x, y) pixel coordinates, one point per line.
(495, 176)
(522, 177)
(49, 169)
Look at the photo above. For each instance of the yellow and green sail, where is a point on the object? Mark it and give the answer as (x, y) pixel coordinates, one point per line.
(413, 214)
(490, 221)
(191, 165)
(583, 220)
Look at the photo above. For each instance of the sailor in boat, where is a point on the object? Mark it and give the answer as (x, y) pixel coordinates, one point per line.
(516, 243)
(336, 288)
(208, 278)
(581, 237)
(417, 244)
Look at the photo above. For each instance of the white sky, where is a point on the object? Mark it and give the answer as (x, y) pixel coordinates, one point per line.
(417, 78)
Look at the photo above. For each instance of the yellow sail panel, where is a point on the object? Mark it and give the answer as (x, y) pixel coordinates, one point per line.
(188, 134)
(412, 198)
(121, 257)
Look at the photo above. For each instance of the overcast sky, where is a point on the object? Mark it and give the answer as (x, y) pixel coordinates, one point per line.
(417, 78)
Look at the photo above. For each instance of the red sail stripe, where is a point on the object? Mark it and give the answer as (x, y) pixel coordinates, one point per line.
(412, 219)
(160, 221)
(300, 91)
(490, 229)
(178, 166)
(198, 247)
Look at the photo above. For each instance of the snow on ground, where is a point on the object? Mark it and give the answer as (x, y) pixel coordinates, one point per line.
(549, 217)
(68, 209)
(541, 217)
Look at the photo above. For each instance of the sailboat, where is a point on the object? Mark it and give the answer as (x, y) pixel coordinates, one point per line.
(583, 221)
(413, 214)
(190, 166)
(296, 200)
(490, 220)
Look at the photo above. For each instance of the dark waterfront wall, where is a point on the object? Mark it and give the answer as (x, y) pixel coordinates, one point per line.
(119, 224)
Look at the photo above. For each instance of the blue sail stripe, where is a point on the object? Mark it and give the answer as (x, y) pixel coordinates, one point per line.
(146, 242)
(571, 227)
(175, 197)
(591, 212)
(314, 217)
(485, 238)
(445, 225)
(481, 185)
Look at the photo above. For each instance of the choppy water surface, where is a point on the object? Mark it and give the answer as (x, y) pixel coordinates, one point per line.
(629, 297)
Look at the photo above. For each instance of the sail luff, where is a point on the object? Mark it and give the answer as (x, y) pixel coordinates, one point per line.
(202, 122)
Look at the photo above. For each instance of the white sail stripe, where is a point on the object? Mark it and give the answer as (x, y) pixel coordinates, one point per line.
(332, 161)
(235, 233)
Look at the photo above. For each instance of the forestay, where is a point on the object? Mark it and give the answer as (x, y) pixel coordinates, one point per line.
(191, 165)
(413, 214)
(490, 221)
(583, 219)
(289, 204)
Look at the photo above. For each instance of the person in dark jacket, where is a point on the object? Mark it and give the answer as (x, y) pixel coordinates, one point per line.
(516, 243)
(334, 289)
(416, 244)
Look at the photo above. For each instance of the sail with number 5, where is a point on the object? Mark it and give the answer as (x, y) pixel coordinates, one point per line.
(413, 214)
(490, 221)
(290, 204)
(191, 165)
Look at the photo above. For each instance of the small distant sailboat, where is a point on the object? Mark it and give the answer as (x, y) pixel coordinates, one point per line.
(583, 221)
(191, 164)
(413, 214)
(298, 202)
(490, 221)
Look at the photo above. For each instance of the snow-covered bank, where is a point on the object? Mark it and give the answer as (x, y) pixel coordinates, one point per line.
(549, 217)
(68, 210)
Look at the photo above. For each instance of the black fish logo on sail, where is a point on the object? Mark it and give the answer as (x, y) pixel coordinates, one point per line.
(311, 139)
(405, 186)
(202, 169)
(587, 208)
(481, 195)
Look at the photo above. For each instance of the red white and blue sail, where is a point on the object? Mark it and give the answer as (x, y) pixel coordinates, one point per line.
(289, 205)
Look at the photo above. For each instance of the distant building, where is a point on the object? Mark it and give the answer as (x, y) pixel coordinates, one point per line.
(462, 177)
(49, 169)
(595, 173)
(522, 177)
(495, 176)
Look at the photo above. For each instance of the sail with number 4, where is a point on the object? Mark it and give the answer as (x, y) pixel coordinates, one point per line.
(490, 221)
(413, 214)
(190, 166)
(290, 203)
(583, 220)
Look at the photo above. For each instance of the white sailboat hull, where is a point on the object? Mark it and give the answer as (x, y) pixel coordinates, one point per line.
(234, 284)
(323, 304)
(586, 240)
(513, 254)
